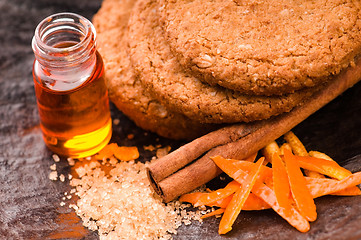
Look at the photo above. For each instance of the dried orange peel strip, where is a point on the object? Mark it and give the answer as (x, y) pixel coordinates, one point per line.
(222, 203)
(293, 217)
(219, 194)
(267, 195)
(264, 175)
(281, 185)
(297, 146)
(122, 153)
(191, 197)
(126, 153)
(252, 203)
(299, 149)
(326, 167)
(213, 213)
(350, 191)
(318, 154)
(106, 152)
(323, 186)
(234, 207)
(298, 184)
(255, 203)
(285, 146)
(269, 150)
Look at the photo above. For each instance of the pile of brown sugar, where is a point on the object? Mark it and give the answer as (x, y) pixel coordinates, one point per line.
(115, 199)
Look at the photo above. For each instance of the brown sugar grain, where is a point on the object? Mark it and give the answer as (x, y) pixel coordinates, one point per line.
(122, 204)
(115, 199)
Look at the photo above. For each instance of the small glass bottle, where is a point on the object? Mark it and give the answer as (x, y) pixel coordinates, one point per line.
(69, 85)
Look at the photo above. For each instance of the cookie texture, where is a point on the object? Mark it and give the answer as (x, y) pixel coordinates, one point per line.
(263, 47)
(166, 79)
(184, 68)
(113, 14)
(125, 90)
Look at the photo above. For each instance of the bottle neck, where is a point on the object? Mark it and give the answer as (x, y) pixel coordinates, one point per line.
(64, 48)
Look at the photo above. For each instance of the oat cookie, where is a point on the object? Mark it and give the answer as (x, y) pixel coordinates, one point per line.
(165, 78)
(125, 90)
(263, 46)
(113, 14)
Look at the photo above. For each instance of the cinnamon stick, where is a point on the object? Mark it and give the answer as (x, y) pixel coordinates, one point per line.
(170, 177)
(179, 158)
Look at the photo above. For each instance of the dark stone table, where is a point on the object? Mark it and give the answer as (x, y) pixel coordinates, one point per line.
(29, 201)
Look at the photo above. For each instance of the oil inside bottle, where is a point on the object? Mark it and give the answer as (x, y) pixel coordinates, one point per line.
(69, 83)
(75, 122)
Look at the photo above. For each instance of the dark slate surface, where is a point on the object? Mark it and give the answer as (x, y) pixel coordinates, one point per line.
(29, 201)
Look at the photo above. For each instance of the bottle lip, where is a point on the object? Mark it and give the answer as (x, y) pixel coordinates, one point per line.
(60, 21)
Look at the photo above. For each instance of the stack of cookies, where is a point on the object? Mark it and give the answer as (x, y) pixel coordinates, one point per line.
(182, 68)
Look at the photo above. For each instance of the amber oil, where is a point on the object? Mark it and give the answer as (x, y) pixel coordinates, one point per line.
(69, 84)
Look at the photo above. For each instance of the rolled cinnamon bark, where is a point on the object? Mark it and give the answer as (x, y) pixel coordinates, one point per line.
(175, 180)
(179, 158)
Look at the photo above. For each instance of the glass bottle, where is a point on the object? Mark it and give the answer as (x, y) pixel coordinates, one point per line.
(71, 94)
